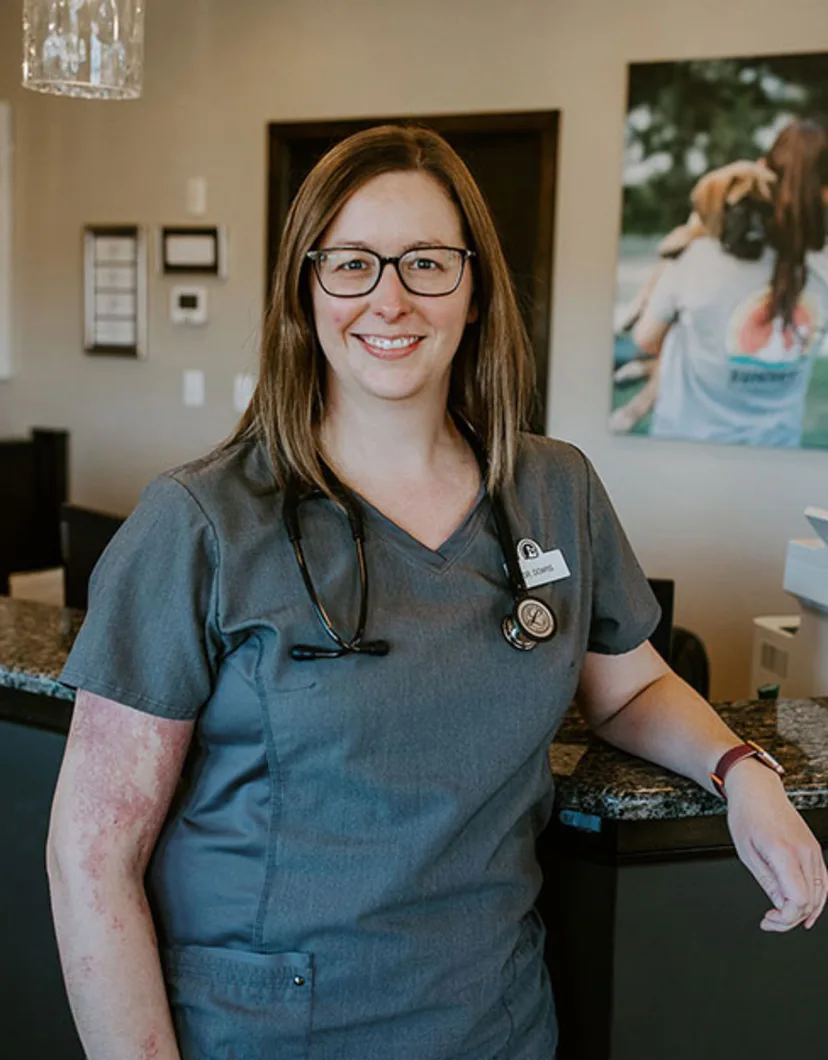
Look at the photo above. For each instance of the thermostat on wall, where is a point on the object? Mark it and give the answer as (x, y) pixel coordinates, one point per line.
(188, 305)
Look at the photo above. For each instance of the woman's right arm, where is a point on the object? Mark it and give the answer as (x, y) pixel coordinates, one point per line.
(118, 776)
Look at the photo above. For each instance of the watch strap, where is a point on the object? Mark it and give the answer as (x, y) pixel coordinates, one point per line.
(748, 749)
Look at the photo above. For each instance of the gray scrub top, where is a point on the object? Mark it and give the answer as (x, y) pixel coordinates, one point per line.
(348, 869)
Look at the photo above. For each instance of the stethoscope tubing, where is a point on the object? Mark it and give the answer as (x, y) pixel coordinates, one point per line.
(355, 645)
(530, 622)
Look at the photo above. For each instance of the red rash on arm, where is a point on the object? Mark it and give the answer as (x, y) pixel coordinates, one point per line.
(127, 765)
(150, 1049)
(119, 774)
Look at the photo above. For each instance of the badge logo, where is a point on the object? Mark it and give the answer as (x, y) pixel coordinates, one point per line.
(539, 567)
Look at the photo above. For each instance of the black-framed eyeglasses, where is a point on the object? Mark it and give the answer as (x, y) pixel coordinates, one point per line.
(351, 272)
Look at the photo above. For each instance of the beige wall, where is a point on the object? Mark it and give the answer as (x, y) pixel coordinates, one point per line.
(714, 518)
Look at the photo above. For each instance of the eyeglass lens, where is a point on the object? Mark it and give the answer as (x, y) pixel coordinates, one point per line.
(425, 270)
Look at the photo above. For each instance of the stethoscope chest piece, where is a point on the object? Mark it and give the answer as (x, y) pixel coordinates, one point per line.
(531, 623)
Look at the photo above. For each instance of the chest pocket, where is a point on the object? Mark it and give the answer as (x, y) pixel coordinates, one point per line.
(238, 1005)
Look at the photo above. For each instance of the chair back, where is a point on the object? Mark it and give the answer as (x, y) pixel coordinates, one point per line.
(85, 533)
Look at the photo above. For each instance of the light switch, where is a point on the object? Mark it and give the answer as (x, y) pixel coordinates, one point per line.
(196, 196)
(193, 390)
(243, 386)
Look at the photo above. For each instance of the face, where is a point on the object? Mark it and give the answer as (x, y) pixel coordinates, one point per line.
(392, 345)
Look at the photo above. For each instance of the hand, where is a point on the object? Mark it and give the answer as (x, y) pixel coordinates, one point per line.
(776, 845)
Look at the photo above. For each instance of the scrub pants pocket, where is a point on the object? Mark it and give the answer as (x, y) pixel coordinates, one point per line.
(235, 1005)
(528, 997)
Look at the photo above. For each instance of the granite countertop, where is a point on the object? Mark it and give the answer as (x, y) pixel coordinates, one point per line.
(592, 778)
(34, 642)
(596, 779)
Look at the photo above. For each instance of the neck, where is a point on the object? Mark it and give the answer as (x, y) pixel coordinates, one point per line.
(391, 440)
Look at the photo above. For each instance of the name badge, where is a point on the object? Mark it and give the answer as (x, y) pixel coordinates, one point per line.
(539, 567)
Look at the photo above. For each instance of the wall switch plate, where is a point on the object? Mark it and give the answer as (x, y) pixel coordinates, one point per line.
(196, 196)
(193, 388)
(243, 386)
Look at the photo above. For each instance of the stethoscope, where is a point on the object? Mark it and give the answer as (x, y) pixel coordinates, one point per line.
(530, 622)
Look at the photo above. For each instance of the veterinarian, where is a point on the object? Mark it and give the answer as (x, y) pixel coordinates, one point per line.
(319, 674)
(737, 338)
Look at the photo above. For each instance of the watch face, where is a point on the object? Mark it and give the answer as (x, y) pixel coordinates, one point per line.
(767, 758)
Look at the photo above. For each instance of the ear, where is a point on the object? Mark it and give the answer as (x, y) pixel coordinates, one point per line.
(707, 198)
(473, 313)
(738, 188)
(750, 178)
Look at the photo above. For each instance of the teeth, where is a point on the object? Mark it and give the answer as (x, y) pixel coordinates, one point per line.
(389, 344)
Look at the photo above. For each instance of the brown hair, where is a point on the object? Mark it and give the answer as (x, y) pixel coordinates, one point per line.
(493, 371)
(799, 158)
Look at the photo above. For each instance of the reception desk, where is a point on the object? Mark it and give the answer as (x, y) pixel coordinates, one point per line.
(654, 946)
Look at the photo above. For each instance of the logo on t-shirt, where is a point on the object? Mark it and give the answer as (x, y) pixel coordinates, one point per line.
(753, 339)
(768, 353)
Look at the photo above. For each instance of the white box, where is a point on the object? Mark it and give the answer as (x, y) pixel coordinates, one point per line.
(108, 304)
(115, 250)
(773, 642)
(115, 333)
(115, 277)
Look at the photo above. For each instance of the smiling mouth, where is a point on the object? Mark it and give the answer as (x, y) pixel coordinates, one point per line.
(388, 348)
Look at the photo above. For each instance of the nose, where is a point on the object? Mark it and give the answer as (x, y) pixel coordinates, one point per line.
(390, 299)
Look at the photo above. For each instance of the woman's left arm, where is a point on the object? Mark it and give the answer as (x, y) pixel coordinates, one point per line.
(650, 332)
(637, 703)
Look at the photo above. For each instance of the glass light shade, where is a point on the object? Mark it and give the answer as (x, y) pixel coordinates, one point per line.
(93, 49)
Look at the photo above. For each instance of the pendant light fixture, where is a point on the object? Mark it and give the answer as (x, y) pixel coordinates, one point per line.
(91, 49)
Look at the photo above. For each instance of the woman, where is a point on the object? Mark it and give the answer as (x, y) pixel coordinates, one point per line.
(738, 338)
(337, 828)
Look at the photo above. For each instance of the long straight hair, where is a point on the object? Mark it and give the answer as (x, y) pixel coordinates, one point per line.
(492, 375)
(799, 158)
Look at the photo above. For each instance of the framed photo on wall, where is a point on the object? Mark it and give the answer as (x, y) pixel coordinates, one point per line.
(721, 315)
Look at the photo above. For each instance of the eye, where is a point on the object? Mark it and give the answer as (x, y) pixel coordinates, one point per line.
(427, 264)
(424, 263)
(349, 263)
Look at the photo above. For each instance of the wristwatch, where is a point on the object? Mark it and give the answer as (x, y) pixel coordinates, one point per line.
(748, 749)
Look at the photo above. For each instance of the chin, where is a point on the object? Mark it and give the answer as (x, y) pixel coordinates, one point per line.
(397, 385)
(394, 393)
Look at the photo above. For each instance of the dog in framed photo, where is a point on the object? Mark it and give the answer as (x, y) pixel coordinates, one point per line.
(732, 204)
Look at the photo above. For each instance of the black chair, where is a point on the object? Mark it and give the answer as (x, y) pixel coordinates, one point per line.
(85, 533)
(683, 650)
(33, 485)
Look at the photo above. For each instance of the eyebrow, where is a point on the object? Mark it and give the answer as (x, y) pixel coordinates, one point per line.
(358, 244)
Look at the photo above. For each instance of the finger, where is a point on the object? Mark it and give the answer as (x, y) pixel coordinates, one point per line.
(823, 872)
(820, 876)
(784, 919)
(814, 870)
(764, 875)
(784, 863)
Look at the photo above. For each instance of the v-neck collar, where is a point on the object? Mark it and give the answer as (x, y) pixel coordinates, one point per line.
(439, 559)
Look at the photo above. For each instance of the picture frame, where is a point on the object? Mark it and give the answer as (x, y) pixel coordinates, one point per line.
(192, 249)
(115, 290)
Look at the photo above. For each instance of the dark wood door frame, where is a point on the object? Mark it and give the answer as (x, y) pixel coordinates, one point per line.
(281, 136)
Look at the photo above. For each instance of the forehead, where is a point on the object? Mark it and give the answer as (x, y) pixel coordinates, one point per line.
(397, 208)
